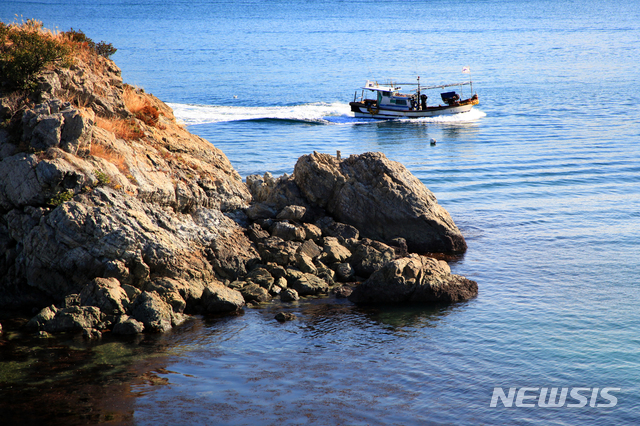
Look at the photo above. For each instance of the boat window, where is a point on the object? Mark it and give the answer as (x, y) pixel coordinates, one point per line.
(386, 93)
(401, 101)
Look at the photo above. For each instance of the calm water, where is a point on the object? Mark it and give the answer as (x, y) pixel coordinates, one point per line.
(543, 178)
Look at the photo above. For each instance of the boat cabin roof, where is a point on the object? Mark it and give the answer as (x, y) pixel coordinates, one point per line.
(371, 85)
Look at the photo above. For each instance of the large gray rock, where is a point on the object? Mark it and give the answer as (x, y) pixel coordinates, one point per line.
(76, 318)
(153, 312)
(217, 298)
(127, 326)
(381, 198)
(414, 279)
(262, 277)
(254, 293)
(308, 284)
(334, 251)
(277, 250)
(46, 314)
(106, 294)
(288, 231)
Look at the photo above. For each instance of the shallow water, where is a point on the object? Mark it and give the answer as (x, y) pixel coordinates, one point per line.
(542, 178)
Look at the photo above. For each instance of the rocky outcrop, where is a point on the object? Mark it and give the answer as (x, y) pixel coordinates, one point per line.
(115, 217)
(135, 217)
(414, 279)
(379, 197)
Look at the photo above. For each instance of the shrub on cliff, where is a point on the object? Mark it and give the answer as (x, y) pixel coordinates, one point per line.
(28, 48)
(25, 51)
(103, 48)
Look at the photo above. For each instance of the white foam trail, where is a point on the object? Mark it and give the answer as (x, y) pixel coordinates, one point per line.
(322, 113)
(202, 114)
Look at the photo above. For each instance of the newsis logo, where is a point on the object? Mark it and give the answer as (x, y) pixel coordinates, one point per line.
(555, 397)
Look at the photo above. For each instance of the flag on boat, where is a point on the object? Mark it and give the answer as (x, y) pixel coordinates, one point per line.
(466, 70)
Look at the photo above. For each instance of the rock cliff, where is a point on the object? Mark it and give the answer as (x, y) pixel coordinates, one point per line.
(114, 217)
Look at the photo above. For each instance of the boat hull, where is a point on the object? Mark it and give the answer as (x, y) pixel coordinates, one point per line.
(362, 110)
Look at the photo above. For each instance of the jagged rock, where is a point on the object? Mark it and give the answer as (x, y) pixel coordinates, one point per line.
(276, 250)
(288, 231)
(276, 270)
(45, 315)
(232, 253)
(289, 295)
(334, 251)
(312, 232)
(308, 284)
(256, 233)
(295, 213)
(173, 292)
(276, 193)
(285, 316)
(380, 197)
(106, 294)
(281, 283)
(341, 231)
(153, 312)
(254, 293)
(262, 277)
(310, 249)
(326, 274)
(127, 326)
(344, 272)
(237, 284)
(76, 318)
(275, 290)
(260, 211)
(19, 184)
(343, 292)
(217, 298)
(305, 264)
(131, 291)
(414, 279)
(369, 256)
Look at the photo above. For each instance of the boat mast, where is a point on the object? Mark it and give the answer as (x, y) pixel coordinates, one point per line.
(418, 99)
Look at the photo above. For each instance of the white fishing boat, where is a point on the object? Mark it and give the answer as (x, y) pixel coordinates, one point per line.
(388, 103)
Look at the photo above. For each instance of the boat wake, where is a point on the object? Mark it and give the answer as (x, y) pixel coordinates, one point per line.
(312, 113)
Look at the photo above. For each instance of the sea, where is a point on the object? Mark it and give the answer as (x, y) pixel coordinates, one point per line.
(542, 178)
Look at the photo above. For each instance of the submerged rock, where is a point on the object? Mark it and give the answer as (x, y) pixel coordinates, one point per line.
(285, 316)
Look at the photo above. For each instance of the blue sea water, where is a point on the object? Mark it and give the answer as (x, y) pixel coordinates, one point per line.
(543, 179)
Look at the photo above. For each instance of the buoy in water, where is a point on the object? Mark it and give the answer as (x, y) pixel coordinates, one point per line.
(433, 141)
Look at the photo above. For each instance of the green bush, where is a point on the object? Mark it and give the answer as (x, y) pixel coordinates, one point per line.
(25, 51)
(61, 197)
(103, 48)
(102, 177)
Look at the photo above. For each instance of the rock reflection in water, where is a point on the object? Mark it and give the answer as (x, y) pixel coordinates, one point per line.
(66, 380)
(247, 369)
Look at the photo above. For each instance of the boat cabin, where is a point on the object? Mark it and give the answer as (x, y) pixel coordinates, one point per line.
(388, 97)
